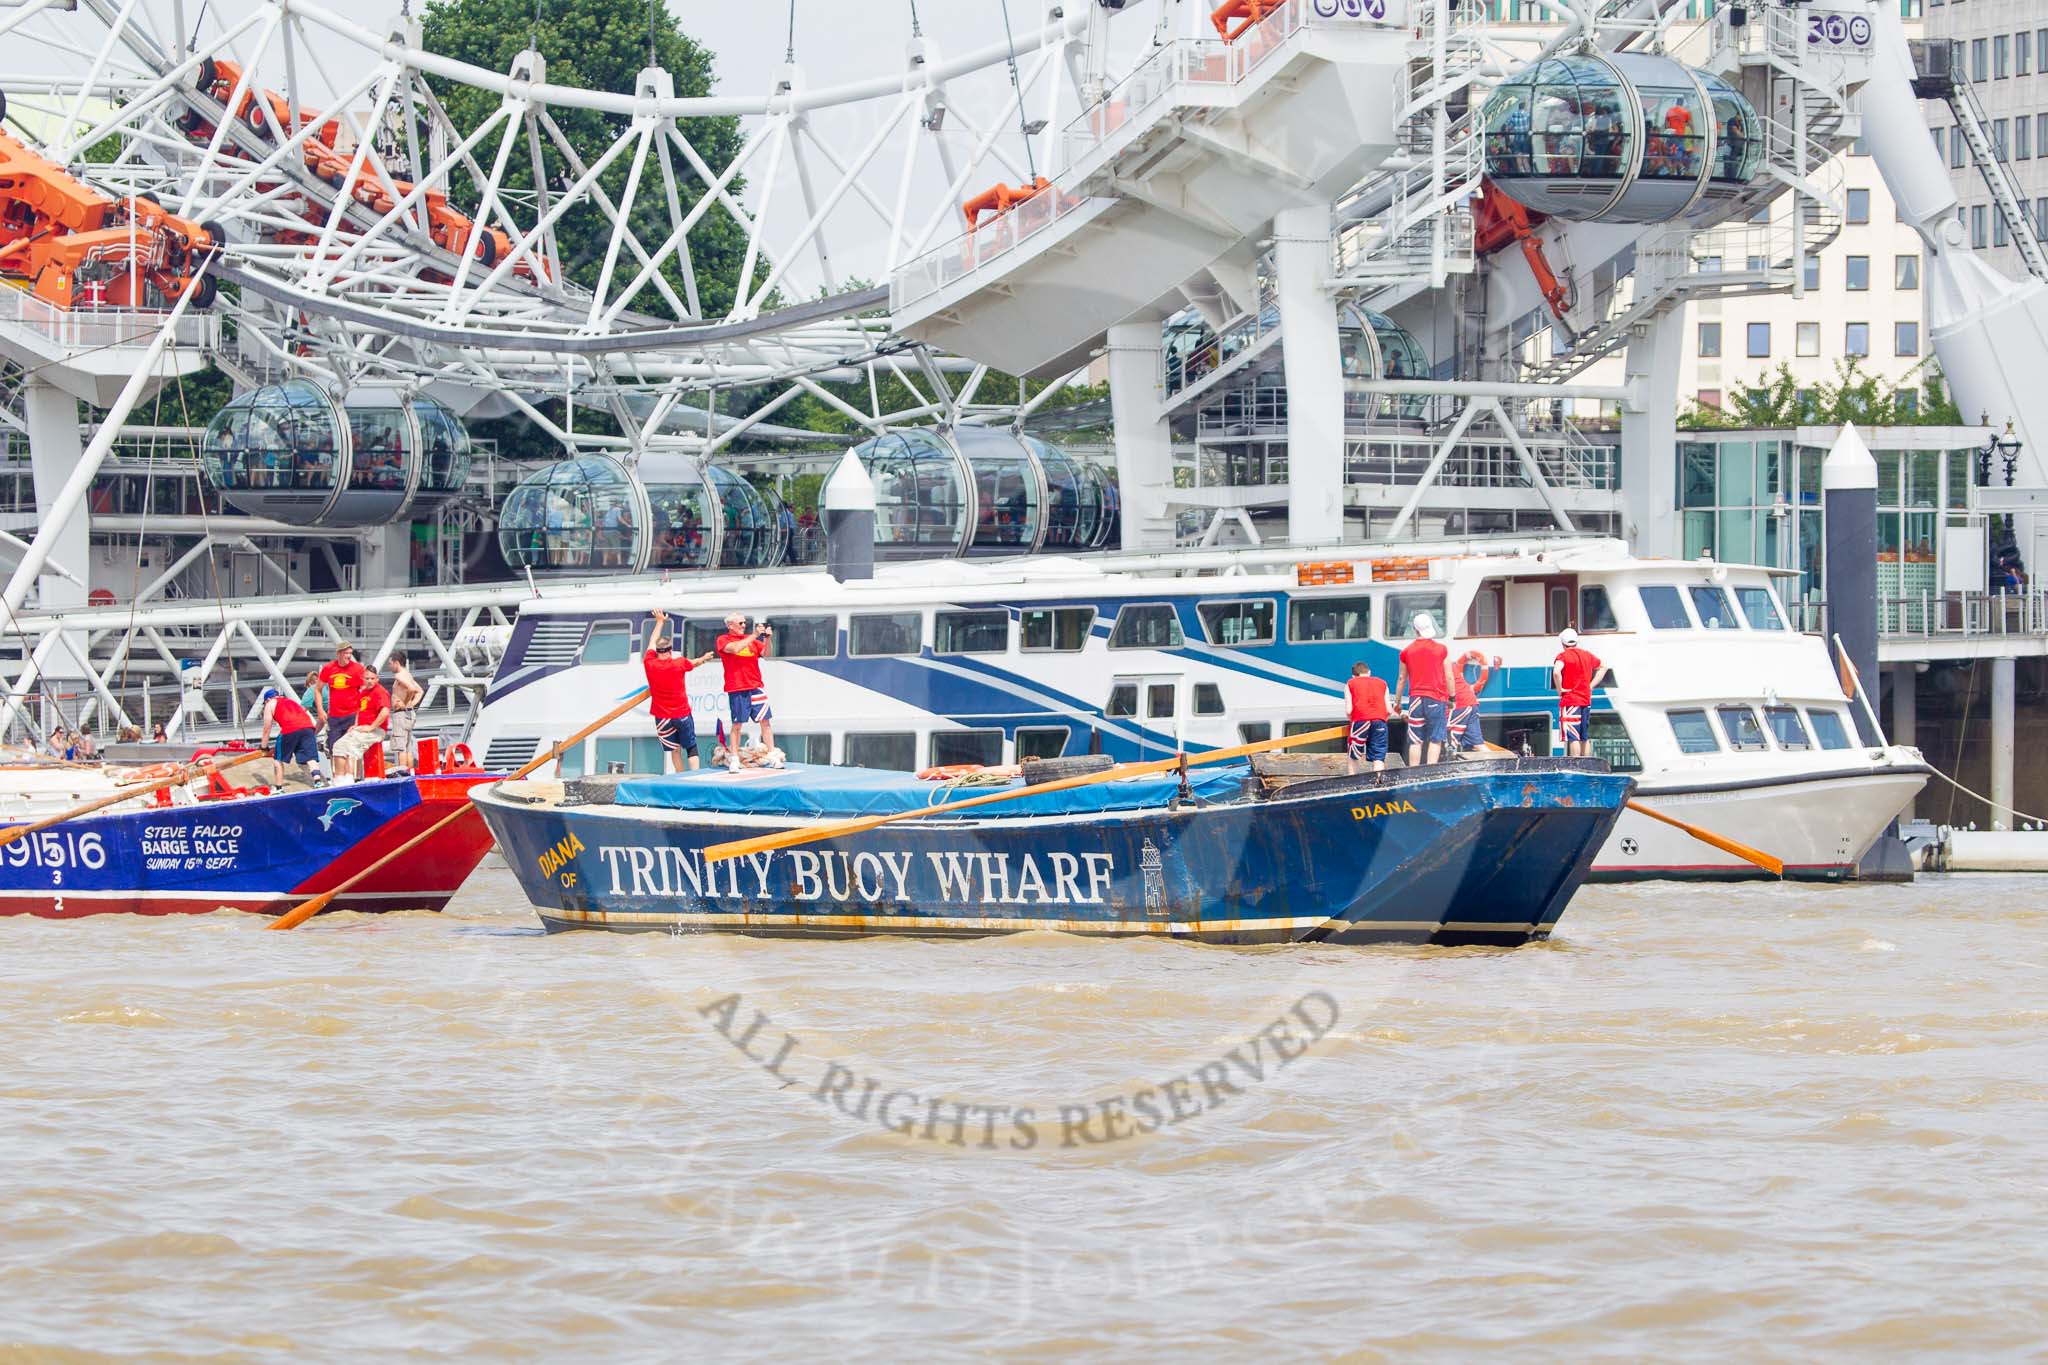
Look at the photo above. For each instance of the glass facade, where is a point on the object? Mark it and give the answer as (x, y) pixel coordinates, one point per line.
(1756, 499)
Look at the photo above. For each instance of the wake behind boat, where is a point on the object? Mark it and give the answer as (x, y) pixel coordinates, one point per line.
(1481, 852)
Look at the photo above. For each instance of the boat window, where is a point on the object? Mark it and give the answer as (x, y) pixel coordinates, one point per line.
(967, 746)
(1715, 611)
(1056, 628)
(805, 637)
(1829, 729)
(610, 642)
(1159, 700)
(570, 764)
(1146, 625)
(1123, 700)
(1486, 616)
(1321, 746)
(1523, 734)
(893, 632)
(1785, 727)
(1254, 731)
(971, 632)
(1404, 607)
(1042, 742)
(1758, 609)
(1693, 733)
(803, 748)
(1665, 607)
(623, 755)
(894, 751)
(1740, 724)
(1608, 739)
(1237, 623)
(701, 636)
(1560, 607)
(1208, 699)
(1595, 611)
(1330, 618)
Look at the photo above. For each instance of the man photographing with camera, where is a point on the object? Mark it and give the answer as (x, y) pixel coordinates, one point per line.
(741, 651)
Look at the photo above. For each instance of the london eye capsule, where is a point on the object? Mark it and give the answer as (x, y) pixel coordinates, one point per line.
(591, 513)
(1621, 137)
(292, 453)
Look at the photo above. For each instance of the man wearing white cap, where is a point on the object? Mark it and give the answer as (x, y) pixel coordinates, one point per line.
(1426, 680)
(1575, 673)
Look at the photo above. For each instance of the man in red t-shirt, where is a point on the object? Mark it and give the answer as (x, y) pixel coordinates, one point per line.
(741, 652)
(1368, 719)
(1426, 680)
(668, 693)
(373, 721)
(1575, 673)
(343, 680)
(296, 732)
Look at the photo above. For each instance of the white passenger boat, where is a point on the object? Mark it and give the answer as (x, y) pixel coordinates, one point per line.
(1730, 719)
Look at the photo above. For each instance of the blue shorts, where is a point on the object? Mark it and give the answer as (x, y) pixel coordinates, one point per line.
(678, 734)
(337, 726)
(299, 746)
(748, 706)
(1368, 740)
(1429, 720)
(1571, 723)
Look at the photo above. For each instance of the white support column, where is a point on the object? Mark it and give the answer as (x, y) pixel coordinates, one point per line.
(1905, 705)
(1144, 443)
(2002, 697)
(1315, 377)
(1649, 465)
(54, 449)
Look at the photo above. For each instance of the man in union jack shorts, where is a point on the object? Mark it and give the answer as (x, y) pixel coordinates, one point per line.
(1575, 673)
(741, 651)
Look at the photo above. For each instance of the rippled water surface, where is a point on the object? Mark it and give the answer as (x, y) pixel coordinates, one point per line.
(1761, 1121)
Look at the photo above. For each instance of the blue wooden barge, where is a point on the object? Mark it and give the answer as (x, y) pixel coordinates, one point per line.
(1485, 852)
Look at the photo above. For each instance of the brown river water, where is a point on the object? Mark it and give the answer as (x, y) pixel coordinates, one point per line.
(1768, 1122)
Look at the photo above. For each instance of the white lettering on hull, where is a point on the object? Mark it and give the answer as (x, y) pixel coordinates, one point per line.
(868, 878)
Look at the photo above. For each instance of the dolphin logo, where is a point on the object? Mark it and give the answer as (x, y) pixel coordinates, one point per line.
(336, 808)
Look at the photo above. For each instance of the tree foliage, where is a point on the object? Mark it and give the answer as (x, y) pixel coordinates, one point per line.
(598, 45)
(1778, 399)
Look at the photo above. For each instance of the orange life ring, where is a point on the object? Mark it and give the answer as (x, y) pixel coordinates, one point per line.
(149, 774)
(948, 772)
(1468, 658)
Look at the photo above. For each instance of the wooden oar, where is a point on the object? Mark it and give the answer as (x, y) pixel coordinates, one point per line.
(293, 918)
(790, 838)
(132, 792)
(1774, 866)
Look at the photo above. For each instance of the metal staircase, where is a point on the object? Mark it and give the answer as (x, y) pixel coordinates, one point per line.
(1938, 75)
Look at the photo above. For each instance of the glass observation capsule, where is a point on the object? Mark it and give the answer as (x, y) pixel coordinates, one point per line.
(293, 453)
(1620, 137)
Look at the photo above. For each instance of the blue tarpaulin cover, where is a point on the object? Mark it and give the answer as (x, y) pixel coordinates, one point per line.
(808, 791)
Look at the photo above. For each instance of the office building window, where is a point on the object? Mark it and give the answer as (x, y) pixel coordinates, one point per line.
(2001, 57)
(1710, 338)
(1998, 229)
(1905, 338)
(1809, 272)
(2022, 139)
(1856, 339)
(1760, 339)
(1940, 141)
(1905, 272)
(1998, 138)
(2041, 128)
(1956, 147)
(1807, 339)
(2022, 52)
(1979, 237)
(1859, 206)
(1980, 60)
(2041, 216)
(1859, 272)
(1710, 398)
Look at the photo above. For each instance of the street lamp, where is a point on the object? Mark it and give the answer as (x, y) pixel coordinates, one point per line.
(2006, 448)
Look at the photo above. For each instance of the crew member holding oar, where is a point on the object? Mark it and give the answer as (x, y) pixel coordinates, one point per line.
(298, 739)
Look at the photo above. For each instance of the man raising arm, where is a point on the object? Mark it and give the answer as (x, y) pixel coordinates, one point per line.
(741, 652)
